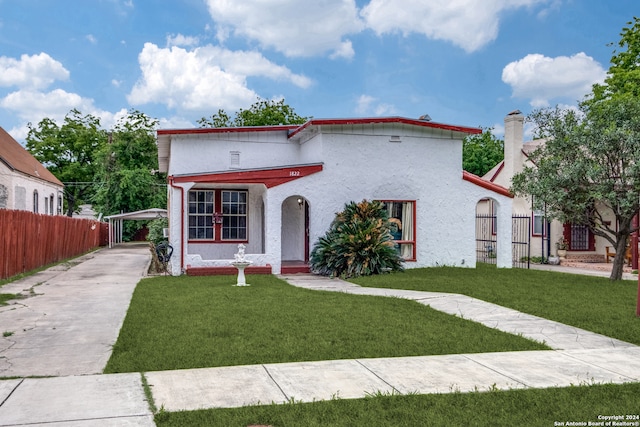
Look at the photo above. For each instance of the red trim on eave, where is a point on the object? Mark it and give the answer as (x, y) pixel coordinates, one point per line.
(226, 130)
(475, 179)
(375, 120)
(495, 175)
(268, 177)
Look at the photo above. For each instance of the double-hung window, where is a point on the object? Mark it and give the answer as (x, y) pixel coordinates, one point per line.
(402, 216)
(218, 215)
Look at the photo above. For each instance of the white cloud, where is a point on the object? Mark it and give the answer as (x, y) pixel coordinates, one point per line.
(182, 40)
(469, 24)
(542, 79)
(203, 79)
(33, 106)
(35, 72)
(368, 105)
(293, 27)
(91, 38)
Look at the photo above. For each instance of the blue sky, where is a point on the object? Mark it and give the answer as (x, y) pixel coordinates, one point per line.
(464, 62)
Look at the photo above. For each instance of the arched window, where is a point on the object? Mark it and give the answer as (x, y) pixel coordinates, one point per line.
(51, 202)
(35, 201)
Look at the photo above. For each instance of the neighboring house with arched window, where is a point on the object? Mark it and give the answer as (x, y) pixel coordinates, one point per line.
(276, 189)
(25, 184)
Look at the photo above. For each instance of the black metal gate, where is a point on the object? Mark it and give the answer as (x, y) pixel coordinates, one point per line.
(486, 239)
(521, 240)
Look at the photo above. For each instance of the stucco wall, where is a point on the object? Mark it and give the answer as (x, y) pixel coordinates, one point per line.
(212, 152)
(19, 190)
(359, 162)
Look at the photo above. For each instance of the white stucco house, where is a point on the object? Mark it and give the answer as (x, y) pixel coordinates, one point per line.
(276, 189)
(25, 184)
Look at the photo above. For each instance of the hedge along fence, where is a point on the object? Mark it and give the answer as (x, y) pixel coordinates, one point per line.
(29, 241)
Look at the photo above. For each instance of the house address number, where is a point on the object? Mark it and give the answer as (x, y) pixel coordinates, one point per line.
(294, 173)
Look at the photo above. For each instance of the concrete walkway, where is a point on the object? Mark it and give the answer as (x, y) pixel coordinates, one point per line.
(64, 344)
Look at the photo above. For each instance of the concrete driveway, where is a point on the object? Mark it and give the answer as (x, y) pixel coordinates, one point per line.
(70, 315)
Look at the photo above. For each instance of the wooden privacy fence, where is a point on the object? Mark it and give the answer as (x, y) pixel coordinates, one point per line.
(29, 241)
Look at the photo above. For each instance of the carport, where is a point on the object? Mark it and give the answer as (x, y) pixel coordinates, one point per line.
(116, 221)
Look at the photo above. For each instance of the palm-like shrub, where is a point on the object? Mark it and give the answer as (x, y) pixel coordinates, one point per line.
(358, 243)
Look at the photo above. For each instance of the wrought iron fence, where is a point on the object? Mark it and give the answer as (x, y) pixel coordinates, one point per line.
(486, 239)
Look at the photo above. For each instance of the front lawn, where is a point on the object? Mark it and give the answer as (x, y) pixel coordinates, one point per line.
(532, 408)
(592, 303)
(191, 322)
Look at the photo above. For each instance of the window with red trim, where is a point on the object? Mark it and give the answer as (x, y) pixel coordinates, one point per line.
(218, 215)
(402, 215)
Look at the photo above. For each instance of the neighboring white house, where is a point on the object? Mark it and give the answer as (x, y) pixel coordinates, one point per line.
(276, 189)
(544, 234)
(24, 183)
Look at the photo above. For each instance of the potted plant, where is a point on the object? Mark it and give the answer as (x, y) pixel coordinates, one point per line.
(562, 245)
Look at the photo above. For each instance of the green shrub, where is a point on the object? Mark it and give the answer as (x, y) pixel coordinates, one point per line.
(155, 230)
(358, 243)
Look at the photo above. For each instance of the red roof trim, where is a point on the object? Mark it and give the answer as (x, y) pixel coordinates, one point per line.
(495, 175)
(226, 130)
(295, 129)
(475, 179)
(377, 120)
(268, 177)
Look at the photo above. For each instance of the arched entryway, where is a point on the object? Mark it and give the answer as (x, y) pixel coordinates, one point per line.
(486, 231)
(294, 236)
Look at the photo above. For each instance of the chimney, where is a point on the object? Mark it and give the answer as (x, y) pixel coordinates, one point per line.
(513, 139)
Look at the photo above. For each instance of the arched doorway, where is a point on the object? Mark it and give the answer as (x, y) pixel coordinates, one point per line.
(294, 235)
(486, 231)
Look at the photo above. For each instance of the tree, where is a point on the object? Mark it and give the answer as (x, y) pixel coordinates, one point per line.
(590, 163)
(481, 152)
(69, 152)
(127, 179)
(358, 243)
(262, 113)
(623, 76)
(589, 167)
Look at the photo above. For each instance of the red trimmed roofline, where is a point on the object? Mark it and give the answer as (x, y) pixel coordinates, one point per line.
(270, 177)
(376, 120)
(475, 179)
(295, 129)
(495, 175)
(227, 130)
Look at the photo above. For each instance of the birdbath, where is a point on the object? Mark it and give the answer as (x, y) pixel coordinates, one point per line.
(240, 263)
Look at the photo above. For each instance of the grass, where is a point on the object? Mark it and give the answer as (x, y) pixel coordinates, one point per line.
(191, 322)
(592, 303)
(541, 407)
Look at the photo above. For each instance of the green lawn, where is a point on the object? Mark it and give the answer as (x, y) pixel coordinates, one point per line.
(191, 322)
(592, 303)
(187, 322)
(531, 408)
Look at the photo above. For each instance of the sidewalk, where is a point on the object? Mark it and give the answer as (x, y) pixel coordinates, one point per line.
(73, 398)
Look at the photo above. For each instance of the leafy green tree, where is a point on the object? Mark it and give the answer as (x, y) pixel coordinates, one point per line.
(358, 243)
(69, 152)
(623, 76)
(127, 179)
(481, 152)
(262, 113)
(589, 167)
(590, 163)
